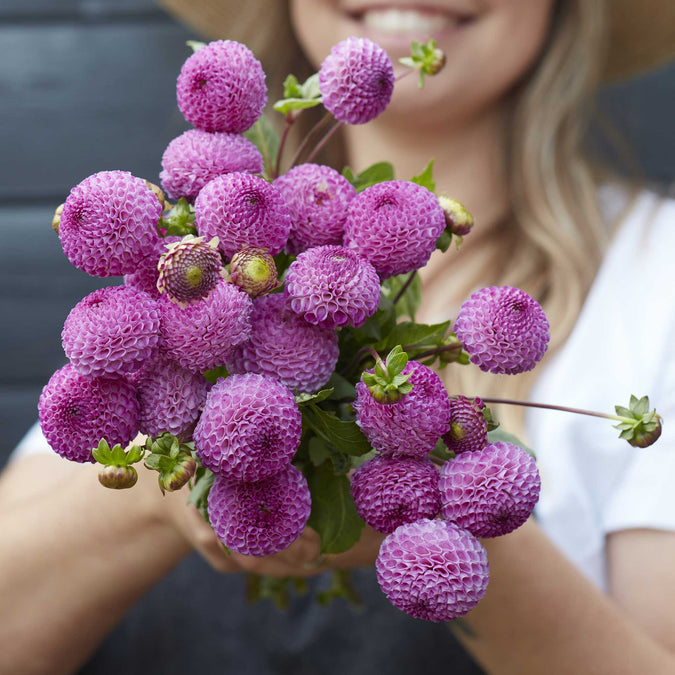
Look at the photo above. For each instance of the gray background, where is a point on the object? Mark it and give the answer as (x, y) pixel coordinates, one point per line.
(89, 85)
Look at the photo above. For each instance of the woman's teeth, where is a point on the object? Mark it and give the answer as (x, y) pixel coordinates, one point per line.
(401, 21)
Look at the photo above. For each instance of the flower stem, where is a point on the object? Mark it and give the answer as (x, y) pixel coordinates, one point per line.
(327, 136)
(378, 359)
(290, 118)
(405, 286)
(434, 351)
(312, 132)
(548, 406)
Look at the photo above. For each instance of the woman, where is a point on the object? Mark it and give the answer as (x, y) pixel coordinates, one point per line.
(503, 121)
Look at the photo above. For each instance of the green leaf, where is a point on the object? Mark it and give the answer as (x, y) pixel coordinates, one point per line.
(318, 451)
(342, 388)
(444, 241)
(102, 453)
(265, 137)
(396, 361)
(213, 375)
(333, 514)
(304, 399)
(641, 407)
(135, 454)
(411, 334)
(292, 88)
(299, 96)
(623, 412)
(426, 178)
(154, 462)
(409, 302)
(375, 173)
(501, 436)
(200, 491)
(119, 457)
(344, 435)
(310, 87)
(286, 105)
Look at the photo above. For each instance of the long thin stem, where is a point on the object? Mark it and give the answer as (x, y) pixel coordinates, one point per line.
(434, 351)
(549, 406)
(289, 123)
(405, 286)
(313, 131)
(329, 134)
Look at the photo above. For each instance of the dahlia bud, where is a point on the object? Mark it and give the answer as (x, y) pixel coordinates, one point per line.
(158, 192)
(117, 477)
(56, 220)
(254, 271)
(189, 270)
(638, 425)
(181, 473)
(457, 219)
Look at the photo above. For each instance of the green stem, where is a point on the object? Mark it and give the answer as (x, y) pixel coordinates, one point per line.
(290, 118)
(433, 352)
(378, 359)
(548, 406)
(312, 132)
(327, 136)
(405, 286)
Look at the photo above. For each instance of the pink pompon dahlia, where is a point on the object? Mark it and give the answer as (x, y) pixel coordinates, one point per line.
(202, 335)
(332, 286)
(221, 87)
(489, 492)
(392, 491)
(356, 80)
(196, 157)
(432, 570)
(113, 330)
(394, 225)
(144, 277)
(243, 210)
(76, 412)
(284, 346)
(109, 223)
(412, 426)
(250, 427)
(503, 329)
(468, 426)
(260, 518)
(189, 269)
(170, 397)
(317, 197)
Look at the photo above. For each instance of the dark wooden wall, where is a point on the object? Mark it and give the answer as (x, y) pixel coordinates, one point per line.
(88, 85)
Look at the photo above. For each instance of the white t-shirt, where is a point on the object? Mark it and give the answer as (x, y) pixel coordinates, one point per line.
(593, 483)
(623, 343)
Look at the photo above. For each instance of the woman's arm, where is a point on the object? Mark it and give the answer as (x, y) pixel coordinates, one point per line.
(541, 615)
(74, 558)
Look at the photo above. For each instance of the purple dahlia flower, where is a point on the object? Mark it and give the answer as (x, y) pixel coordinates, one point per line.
(503, 329)
(196, 157)
(260, 518)
(332, 286)
(202, 335)
(392, 491)
(284, 346)
(170, 397)
(432, 570)
(113, 330)
(221, 87)
(144, 278)
(489, 492)
(468, 426)
(412, 426)
(250, 427)
(395, 226)
(76, 412)
(356, 80)
(243, 210)
(317, 197)
(109, 223)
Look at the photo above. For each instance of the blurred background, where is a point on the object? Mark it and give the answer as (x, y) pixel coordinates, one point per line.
(89, 85)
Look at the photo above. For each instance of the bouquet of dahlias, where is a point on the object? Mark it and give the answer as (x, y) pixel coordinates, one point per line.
(264, 339)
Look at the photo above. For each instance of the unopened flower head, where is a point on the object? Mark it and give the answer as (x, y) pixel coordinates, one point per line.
(457, 218)
(196, 157)
(144, 277)
(333, 286)
(221, 87)
(503, 329)
(468, 426)
(189, 269)
(356, 80)
(254, 271)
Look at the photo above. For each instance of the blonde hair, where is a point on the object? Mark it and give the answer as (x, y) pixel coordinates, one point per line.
(552, 242)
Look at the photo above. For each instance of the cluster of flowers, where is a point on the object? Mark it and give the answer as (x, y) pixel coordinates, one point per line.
(191, 304)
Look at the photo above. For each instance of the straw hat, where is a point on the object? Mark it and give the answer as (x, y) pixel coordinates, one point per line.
(642, 32)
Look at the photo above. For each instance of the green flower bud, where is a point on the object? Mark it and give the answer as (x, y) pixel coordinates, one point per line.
(56, 220)
(458, 220)
(117, 477)
(254, 271)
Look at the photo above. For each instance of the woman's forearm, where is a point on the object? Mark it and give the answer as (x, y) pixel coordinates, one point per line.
(74, 558)
(541, 615)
